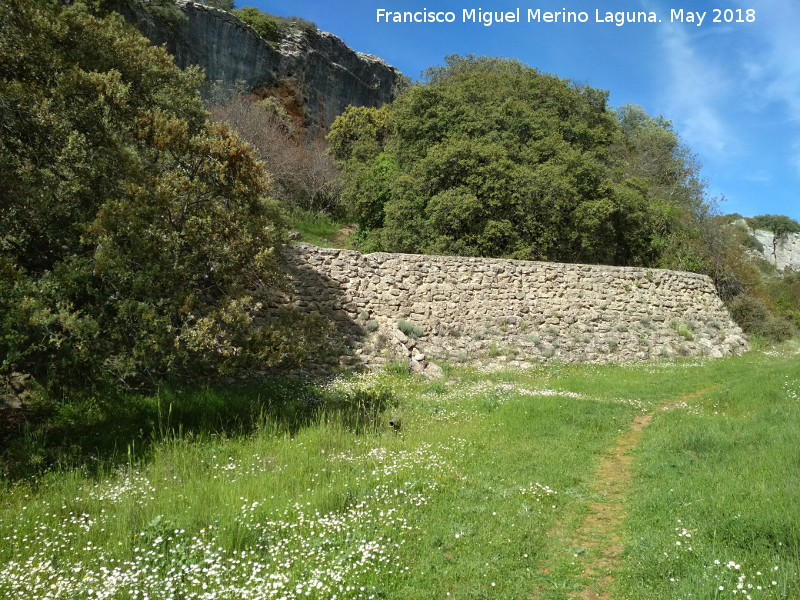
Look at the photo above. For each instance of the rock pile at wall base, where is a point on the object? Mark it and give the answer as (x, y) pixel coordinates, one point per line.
(461, 309)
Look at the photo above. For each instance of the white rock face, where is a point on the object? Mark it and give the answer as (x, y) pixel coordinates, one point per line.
(783, 253)
(314, 75)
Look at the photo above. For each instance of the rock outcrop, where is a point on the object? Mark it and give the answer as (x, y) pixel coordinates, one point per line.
(784, 252)
(314, 75)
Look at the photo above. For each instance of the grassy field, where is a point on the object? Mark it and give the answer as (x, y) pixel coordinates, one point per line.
(663, 480)
(322, 230)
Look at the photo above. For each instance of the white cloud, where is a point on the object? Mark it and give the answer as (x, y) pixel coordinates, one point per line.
(772, 63)
(758, 175)
(695, 91)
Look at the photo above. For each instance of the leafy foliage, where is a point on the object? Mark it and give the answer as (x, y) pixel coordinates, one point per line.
(493, 158)
(223, 4)
(779, 225)
(131, 228)
(272, 27)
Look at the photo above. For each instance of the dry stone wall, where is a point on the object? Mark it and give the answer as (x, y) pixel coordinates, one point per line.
(508, 311)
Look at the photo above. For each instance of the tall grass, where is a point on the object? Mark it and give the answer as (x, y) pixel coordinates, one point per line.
(289, 490)
(321, 229)
(728, 473)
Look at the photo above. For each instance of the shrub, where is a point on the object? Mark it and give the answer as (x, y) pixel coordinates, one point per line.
(532, 337)
(130, 226)
(749, 312)
(682, 329)
(265, 25)
(303, 175)
(778, 329)
(407, 327)
(372, 325)
(271, 27)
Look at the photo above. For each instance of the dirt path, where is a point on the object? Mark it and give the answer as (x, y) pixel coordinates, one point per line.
(597, 542)
(600, 533)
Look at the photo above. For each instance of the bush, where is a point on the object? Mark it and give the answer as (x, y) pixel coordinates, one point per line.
(778, 329)
(752, 315)
(131, 227)
(265, 25)
(271, 27)
(683, 330)
(749, 312)
(303, 175)
(411, 330)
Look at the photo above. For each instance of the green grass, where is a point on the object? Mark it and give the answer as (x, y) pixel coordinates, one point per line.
(320, 229)
(275, 490)
(728, 471)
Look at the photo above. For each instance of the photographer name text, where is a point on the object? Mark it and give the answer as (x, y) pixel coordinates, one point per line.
(490, 18)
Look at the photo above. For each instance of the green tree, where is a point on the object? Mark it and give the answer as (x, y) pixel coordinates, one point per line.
(357, 142)
(131, 228)
(650, 152)
(493, 158)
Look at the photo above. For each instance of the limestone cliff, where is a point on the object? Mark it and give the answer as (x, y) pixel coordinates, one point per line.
(314, 75)
(784, 252)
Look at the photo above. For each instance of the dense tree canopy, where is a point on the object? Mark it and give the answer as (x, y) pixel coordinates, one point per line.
(779, 225)
(130, 226)
(489, 157)
(494, 158)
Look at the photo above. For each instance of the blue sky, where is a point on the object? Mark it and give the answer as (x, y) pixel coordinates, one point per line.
(731, 90)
